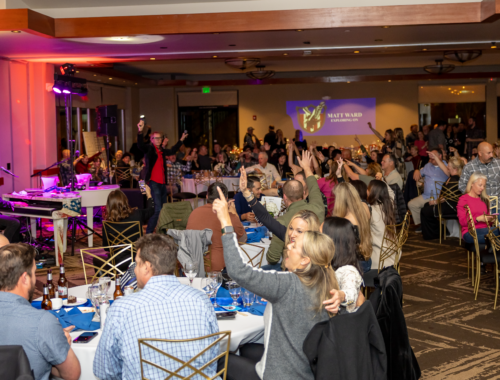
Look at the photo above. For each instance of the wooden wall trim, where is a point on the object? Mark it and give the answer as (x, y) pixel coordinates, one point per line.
(271, 20)
(332, 79)
(28, 21)
(420, 14)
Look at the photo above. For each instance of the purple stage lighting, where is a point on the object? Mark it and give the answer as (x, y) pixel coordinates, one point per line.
(56, 90)
(66, 92)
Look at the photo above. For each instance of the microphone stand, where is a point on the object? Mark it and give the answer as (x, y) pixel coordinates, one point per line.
(39, 173)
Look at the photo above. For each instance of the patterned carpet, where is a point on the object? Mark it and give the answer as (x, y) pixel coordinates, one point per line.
(453, 336)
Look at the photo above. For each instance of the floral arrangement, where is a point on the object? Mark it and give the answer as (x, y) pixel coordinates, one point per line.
(234, 154)
(271, 208)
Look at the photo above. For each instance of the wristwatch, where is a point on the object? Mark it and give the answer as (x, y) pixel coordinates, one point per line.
(227, 230)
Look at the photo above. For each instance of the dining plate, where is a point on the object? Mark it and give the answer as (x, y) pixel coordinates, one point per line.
(79, 301)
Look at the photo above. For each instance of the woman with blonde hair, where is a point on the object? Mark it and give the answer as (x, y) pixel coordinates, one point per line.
(295, 301)
(348, 205)
(479, 204)
(280, 141)
(429, 214)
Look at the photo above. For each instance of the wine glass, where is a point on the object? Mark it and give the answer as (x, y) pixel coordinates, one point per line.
(217, 282)
(234, 292)
(191, 270)
(207, 286)
(104, 285)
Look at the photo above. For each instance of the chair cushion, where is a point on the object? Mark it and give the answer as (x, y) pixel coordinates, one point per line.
(369, 277)
(203, 194)
(184, 196)
(472, 248)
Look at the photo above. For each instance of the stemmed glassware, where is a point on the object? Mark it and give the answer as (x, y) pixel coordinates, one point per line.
(234, 292)
(104, 285)
(191, 270)
(217, 282)
(207, 285)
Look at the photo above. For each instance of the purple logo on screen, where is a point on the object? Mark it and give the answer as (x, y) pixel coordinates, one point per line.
(333, 116)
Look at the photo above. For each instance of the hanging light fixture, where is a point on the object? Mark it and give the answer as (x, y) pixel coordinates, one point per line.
(242, 63)
(260, 73)
(439, 68)
(462, 55)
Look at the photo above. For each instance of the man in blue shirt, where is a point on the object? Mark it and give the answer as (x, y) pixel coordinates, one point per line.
(431, 173)
(163, 309)
(47, 345)
(242, 208)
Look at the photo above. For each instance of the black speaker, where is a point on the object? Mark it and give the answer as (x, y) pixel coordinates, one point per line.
(106, 120)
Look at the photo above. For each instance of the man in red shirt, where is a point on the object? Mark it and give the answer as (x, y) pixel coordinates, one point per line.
(156, 168)
(82, 162)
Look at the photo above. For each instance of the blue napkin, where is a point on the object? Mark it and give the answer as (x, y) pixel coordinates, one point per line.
(76, 318)
(255, 235)
(246, 223)
(255, 309)
(38, 304)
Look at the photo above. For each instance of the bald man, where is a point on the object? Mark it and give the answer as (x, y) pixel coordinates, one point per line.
(485, 164)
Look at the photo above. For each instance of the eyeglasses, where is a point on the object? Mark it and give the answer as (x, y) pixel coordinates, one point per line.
(157, 138)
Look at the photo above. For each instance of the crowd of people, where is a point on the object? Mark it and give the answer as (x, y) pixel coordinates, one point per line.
(337, 210)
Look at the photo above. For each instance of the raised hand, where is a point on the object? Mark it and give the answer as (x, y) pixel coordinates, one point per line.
(140, 126)
(243, 180)
(184, 135)
(357, 138)
(306, 161)
(220, 207)
(332, 305)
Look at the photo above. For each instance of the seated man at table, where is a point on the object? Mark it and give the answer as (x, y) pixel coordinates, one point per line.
(203, 217)
(47, 345)
(163, 309)
(269, 170)
(242, 208)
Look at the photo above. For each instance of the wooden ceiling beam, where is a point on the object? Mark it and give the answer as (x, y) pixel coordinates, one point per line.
(28, 21)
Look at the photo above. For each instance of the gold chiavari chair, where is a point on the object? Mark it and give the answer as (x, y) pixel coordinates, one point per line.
(123, 176)
(449, 193)
(108, 267)
(494, 206)
(492, 258)
(182, 195)
(254, 253)
(207, 259)
(186, 367)
(473, 248)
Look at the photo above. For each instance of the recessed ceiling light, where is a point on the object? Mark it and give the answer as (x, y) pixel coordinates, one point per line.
(463, 86)
(348, 82)
(472, 91)
(152, 59)
(214, 56)
(123, 81)
(356, 51)
(285, 53)
(110, 78)
(389, 81)
(299, 30)
(493, 47)
(421, 87)
(15, 31)
(449, 89)
(77, 72)
(91, 65)
(95, 75)
(136, 83)
(216, 33)
(386, 27)
(424, 49)
(120, 38)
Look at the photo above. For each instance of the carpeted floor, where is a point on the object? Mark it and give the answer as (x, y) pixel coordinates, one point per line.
(453, 336)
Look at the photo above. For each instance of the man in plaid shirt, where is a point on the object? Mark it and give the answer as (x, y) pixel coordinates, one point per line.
(175, 170)
(485, 164)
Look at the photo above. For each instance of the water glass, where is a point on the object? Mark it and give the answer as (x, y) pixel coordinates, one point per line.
(248, 298)
(207, 285)
(234, 292)
(217, 282)
(191, 270)
(104, 285)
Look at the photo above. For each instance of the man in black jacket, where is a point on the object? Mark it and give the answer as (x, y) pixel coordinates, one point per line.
(156, 168)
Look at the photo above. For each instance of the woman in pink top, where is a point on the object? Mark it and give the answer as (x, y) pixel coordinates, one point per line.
(327, 184)
(476, 198)
(421, 144)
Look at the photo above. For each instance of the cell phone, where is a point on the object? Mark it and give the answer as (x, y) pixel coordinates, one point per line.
(142, 186)
(143, 118)
(226, 315)
(85, 337)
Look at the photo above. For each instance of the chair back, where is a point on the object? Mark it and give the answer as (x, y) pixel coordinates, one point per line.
(471, 227)
(390, 245)
(14, 363)
(254, 253)
(122, 232)
(107, 266)
(404, 229)
(181, 368)
(174, 215)
(124, 174)
(493, 204)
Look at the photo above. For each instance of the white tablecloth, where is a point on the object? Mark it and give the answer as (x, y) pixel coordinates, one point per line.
(244, 329)
(188, 186)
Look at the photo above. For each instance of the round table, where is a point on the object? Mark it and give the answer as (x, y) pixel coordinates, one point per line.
(245, 328)
(188, 186)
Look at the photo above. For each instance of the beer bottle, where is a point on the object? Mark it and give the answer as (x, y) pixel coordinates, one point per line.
(50, 285)
(62, 284)
(118, 290)
(46, 302)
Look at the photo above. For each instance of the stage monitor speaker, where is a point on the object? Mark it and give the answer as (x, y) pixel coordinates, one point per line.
(106, 121)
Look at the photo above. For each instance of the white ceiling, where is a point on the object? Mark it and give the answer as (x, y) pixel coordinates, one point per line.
(100, 8)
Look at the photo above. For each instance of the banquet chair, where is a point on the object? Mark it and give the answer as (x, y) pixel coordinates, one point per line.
(473, 248)
(446, 194)
(207, 259)
(122, 232)
(174, 215)
(123, 177)
(183, 195)
(492, 258)
(187, 367)
(494, 206)
(108, 267)
(254, 256)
